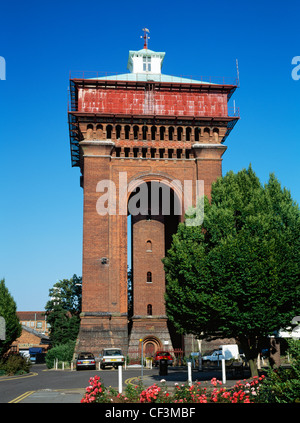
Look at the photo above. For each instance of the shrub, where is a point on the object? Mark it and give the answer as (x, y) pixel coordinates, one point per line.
(14, 364)
(246, 392)
(97, 393)
(282, 385)
(63, 352)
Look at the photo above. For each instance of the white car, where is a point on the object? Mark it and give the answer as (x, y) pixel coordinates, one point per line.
(111, 357)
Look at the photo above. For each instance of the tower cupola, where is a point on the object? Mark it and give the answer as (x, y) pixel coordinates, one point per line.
(145, 60)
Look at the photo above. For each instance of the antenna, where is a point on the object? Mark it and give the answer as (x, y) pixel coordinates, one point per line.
(237, 72)
(146, 37)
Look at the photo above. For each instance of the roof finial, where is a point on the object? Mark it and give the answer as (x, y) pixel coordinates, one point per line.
(146, 37)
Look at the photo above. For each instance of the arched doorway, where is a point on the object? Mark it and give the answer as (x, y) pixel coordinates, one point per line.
(151, 345)
(154, 214)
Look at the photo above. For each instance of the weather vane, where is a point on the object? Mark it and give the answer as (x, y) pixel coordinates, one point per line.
(146, 37)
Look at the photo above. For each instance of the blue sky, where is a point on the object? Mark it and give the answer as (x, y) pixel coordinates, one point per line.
(41, 210)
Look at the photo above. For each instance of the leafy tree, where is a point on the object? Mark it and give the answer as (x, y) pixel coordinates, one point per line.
(237, 274)
(63, 310)
(8, 310)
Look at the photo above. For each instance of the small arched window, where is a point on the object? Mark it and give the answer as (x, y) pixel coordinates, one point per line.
(179, 133)
(149, 309)
(127, 132)
(149, 277)
(118, 132)
(135, 132)
(149, 246)
(108, 131)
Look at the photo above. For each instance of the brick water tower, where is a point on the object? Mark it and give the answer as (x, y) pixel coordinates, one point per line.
(131, 135)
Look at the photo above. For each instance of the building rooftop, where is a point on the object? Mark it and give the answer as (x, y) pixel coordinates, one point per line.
(149, 76)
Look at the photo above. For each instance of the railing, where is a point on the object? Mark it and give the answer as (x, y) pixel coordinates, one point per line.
(140, 77)
(156, 110)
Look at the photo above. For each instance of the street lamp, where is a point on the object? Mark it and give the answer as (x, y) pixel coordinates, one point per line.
(142, 363)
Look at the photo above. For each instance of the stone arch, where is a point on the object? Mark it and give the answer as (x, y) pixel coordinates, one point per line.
(177, 188)
(154, 341)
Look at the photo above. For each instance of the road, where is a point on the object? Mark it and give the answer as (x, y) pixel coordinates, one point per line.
(43, 385)
(40, 378)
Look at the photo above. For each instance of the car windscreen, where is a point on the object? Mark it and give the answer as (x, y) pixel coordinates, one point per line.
(112, 352)
(81, 356)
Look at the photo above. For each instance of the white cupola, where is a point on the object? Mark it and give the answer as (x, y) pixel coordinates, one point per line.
(145, 60)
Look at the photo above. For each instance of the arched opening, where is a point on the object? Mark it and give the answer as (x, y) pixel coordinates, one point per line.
(188, 134)
(151, 345)
(144, 132)
(108, 132)
(149, 349)
(149, 310)
(197, 134)
(179, 133)
(171, 133)
(127, 132)
(135, 132)
(118, 132)
(153, 133)
(162, 130)
(154, 212)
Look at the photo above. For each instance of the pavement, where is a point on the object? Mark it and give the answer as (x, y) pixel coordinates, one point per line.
(174, 376)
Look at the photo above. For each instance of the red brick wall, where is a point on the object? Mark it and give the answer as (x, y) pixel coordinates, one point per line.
(148, 261)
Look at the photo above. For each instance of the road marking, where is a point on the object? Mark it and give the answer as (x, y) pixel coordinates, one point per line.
(21, 397)
(131, 380)
(17, 377)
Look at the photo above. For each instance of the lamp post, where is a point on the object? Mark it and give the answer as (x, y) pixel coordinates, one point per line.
(142, 359)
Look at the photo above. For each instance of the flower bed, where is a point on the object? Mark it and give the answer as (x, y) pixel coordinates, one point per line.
(242, 392)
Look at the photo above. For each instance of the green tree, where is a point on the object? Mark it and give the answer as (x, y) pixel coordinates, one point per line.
(63, 310)
(8, 310)
(237, 274)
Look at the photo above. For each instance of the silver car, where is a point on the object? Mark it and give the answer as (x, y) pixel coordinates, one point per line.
(85, 360)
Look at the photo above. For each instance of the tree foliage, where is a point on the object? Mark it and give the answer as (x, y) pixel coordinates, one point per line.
(8, 310)
(237, 275)
(63, 310)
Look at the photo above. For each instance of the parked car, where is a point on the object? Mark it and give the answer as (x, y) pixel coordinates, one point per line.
(160, 355)
(111, 357)
(85, 360)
